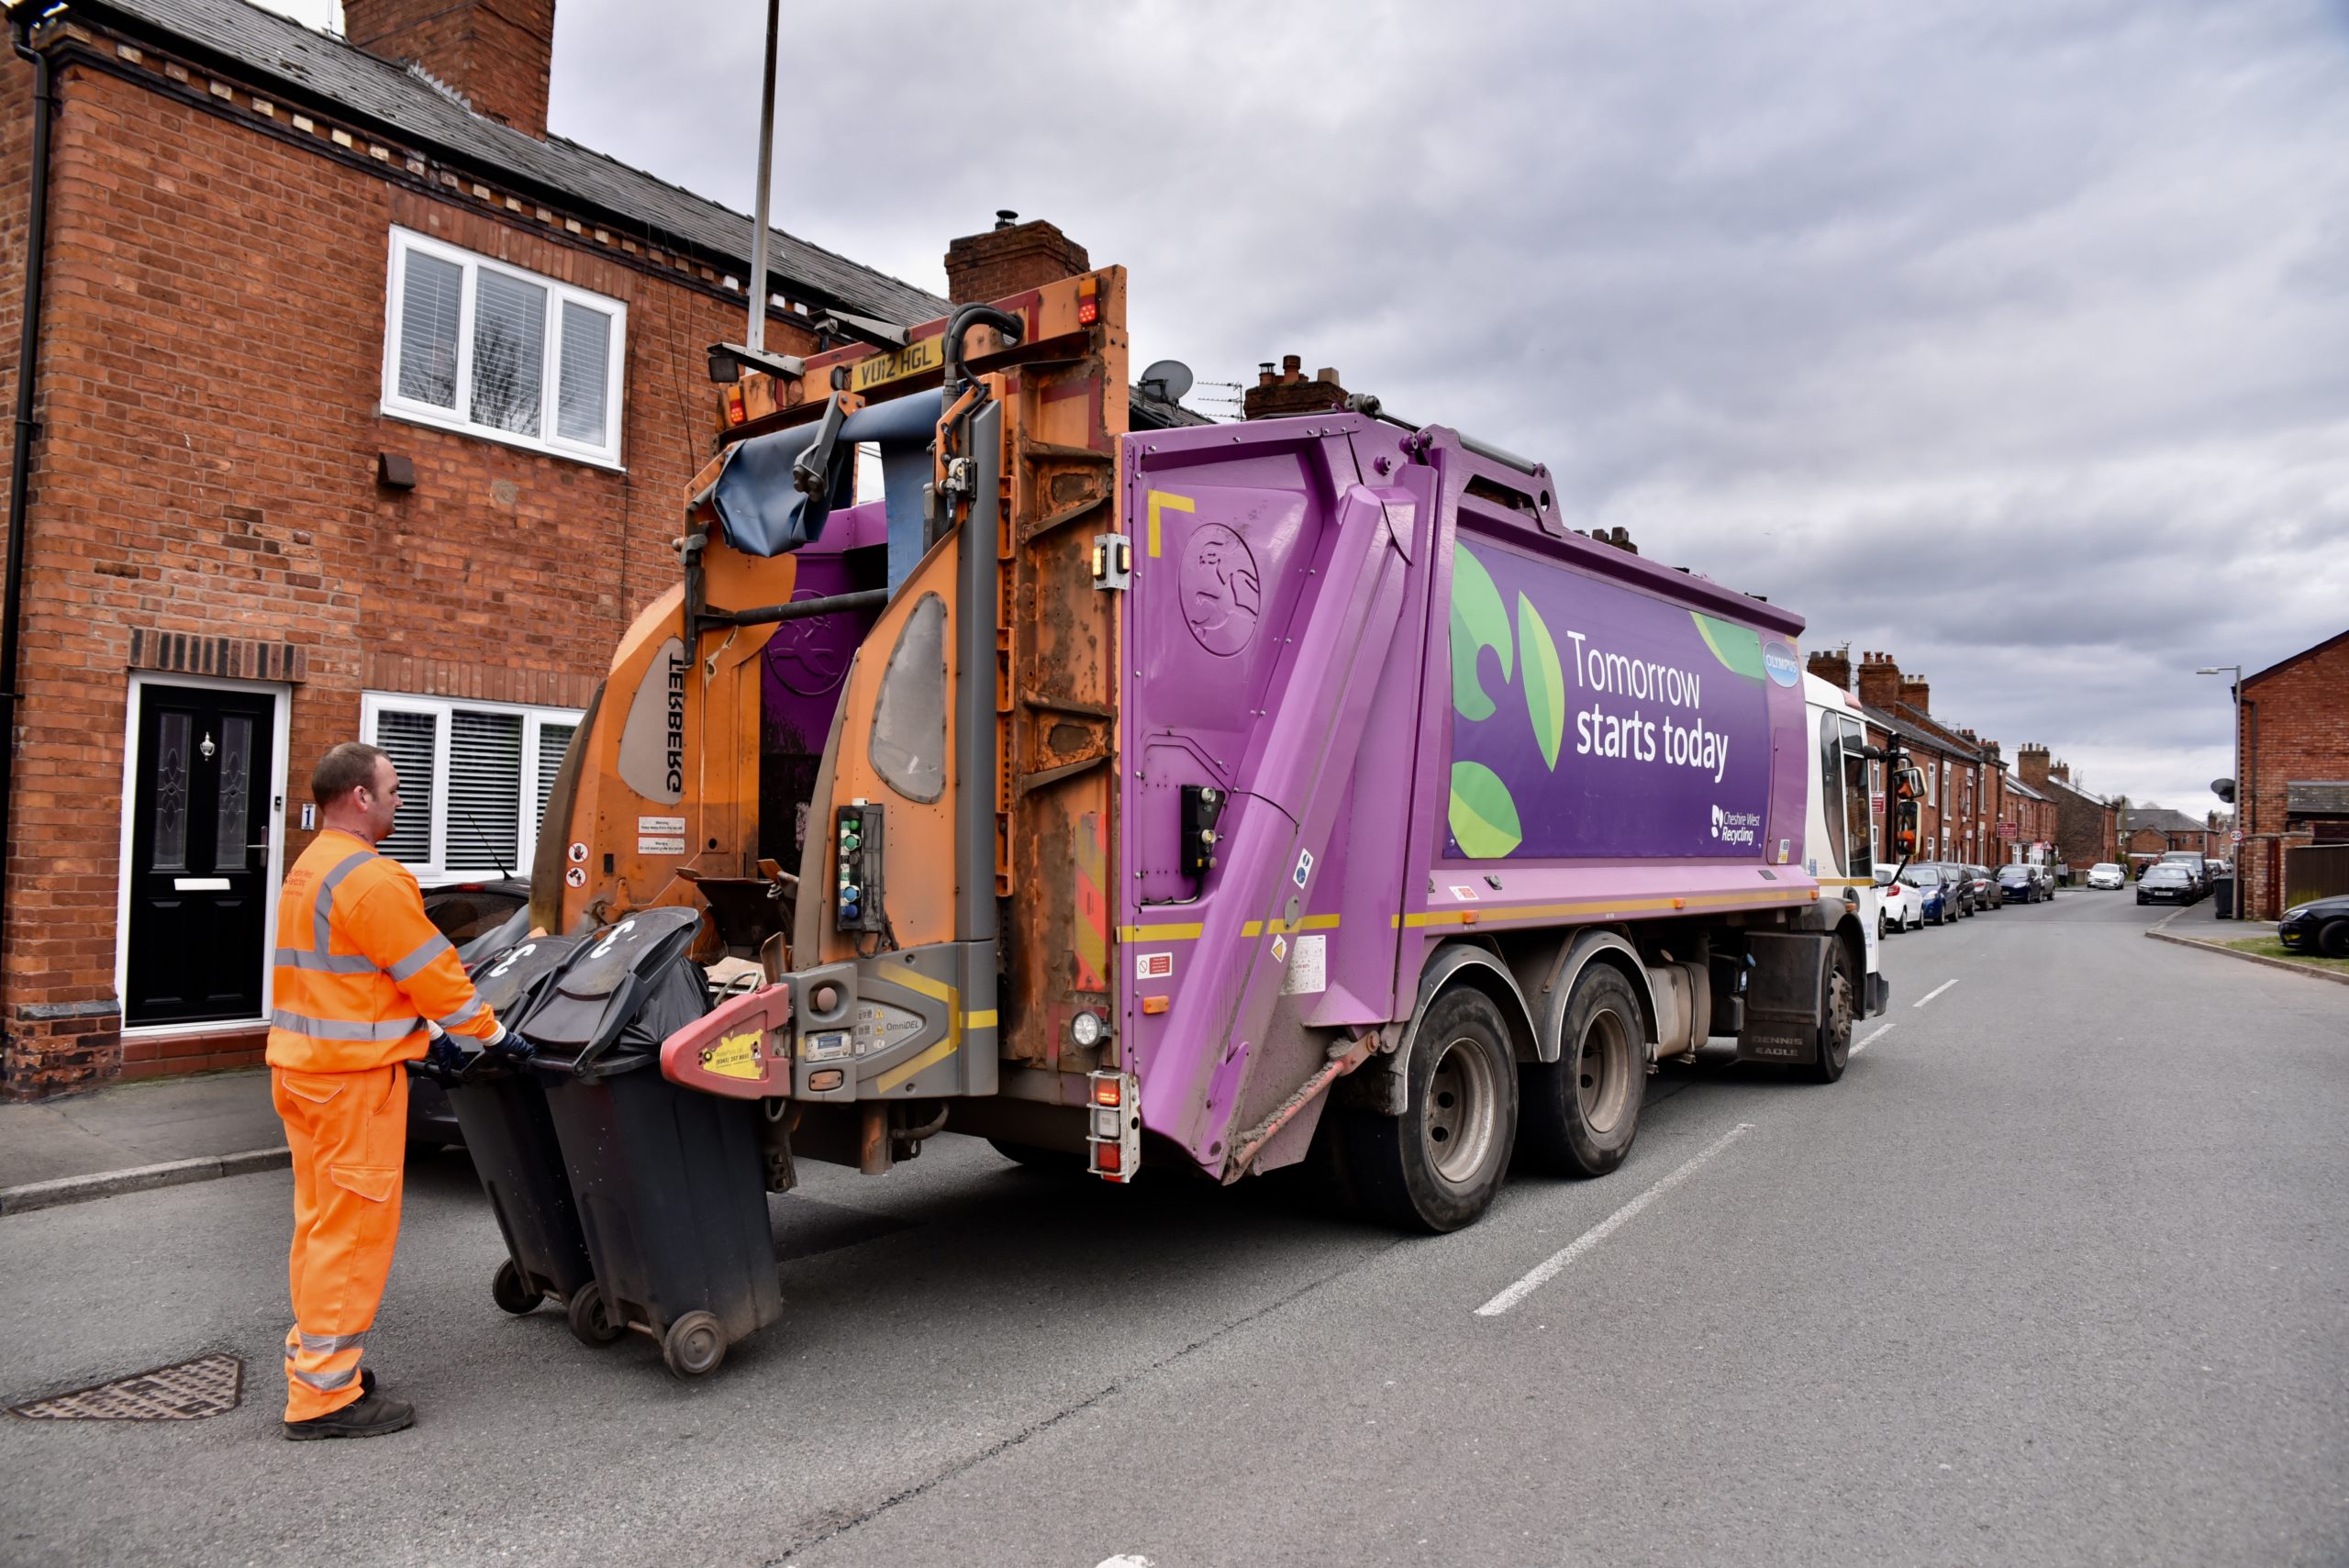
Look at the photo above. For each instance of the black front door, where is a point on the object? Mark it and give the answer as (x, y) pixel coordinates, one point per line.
(199, 855)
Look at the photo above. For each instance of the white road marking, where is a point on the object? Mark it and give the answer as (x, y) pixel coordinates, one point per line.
(1881, 1031)
(1548, 1269)
(1934, 993)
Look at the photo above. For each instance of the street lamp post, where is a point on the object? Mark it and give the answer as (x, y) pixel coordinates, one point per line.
(2236, 840)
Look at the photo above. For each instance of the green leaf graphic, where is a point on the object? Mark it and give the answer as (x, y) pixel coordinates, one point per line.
(1738, 648)
(1479, 620)
(1545, 681)
(1484, 818)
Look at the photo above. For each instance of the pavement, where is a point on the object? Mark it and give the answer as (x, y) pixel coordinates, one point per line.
(2052, 1276)
(132, 1126)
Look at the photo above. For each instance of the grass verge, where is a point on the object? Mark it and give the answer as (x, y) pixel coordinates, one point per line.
(2269, 947)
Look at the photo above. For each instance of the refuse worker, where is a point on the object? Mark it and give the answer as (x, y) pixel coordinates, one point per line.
(359, 973)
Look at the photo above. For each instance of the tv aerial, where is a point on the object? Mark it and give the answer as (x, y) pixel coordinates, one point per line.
(1167, 380)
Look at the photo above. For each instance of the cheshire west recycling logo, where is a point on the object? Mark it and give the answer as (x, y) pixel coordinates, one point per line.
(1735, 826)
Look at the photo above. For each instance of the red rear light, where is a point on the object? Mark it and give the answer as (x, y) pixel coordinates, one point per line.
(1088, 301)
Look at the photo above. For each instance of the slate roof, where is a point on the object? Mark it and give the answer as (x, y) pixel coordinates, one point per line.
(2316, 798)
(2162, 819)
(2016, 786)
(301, 63)
(2061, 787)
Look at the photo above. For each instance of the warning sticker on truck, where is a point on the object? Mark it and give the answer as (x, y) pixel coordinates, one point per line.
(1309, 968)
(1153, 966)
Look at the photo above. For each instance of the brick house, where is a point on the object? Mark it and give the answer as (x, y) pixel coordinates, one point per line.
(2152, 832)
(2087, 827)
(1964, 776)
(365, 407)
(2026, 822)
(2294, 735)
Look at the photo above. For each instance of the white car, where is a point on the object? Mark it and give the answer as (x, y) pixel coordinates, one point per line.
(2107, 875)
(1900, 905)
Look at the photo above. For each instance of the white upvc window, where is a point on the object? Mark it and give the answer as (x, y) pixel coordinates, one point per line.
(474, 345)
(475, 777)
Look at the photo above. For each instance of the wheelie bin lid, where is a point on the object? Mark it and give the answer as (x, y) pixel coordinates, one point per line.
(610, 979)
(508, 981)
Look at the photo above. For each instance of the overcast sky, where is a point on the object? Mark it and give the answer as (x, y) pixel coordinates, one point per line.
(2013, 338)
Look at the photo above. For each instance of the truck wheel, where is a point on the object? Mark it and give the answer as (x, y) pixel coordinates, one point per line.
(1835, 1037)
(1581, 1110)
(1437, 1166)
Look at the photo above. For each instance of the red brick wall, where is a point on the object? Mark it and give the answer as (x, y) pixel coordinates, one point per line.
(213, 347)
(2295, 726)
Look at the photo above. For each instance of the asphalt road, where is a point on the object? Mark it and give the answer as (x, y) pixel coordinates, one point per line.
(2054, 1275)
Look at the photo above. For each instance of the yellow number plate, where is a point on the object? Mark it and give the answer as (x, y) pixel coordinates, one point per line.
(928, 354)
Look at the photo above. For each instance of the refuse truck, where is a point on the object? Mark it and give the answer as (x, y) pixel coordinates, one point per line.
(1214, 796)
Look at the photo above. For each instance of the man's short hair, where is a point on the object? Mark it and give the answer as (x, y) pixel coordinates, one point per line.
(344, 769)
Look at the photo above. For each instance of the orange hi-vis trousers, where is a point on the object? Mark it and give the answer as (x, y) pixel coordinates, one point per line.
(347, 1133)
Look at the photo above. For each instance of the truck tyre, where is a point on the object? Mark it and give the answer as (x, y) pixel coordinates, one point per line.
(1583, 1110)
(1437, 1166)
(1835, 1034)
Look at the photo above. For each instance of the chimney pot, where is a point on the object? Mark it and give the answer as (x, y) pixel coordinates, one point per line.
(1326, 373)
(1004, 218)
(1291, 366)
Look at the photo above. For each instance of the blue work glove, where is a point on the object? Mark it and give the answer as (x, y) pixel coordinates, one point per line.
(447, 1061)
(510, 1046)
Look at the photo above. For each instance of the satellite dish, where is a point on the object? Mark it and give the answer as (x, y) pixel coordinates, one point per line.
(1167, 380)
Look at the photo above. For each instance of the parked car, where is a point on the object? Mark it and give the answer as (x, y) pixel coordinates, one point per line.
(2048, 880)
(1936, 902)
(1987, 894)
(2020, 883)
(2106, 875)
(2167, 885)
(1961, 887)
(479, 917)
(1900, 908)
(2196, 865)
(2320, 926)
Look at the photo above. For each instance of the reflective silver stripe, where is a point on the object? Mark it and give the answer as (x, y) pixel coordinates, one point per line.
(326, 1382)
(461, 1015)
(329, 1344)
(325, 962)
(335, 1028)
(426, 951)
(320, 933)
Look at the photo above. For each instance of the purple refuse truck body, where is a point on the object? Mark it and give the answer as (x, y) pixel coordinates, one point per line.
(1453, 738)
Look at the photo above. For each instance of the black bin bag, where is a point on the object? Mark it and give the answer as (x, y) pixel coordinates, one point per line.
(503, 1112)
(670, 1183)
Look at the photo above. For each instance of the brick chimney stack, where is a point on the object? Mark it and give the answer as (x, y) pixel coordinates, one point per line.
(1833, 667)
(1916, 696)
(1290, 392)
(1879, 681)
(2060, 771)
(2031, 761)
(1011, 257)
(495, 53)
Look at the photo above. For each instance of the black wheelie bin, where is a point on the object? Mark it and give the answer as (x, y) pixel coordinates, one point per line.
(670, 1184)
(501, 1110)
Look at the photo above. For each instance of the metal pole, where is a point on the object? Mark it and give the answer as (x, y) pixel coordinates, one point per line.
(756, 337)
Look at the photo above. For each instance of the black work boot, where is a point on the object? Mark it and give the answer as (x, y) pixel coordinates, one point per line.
(368, 1416)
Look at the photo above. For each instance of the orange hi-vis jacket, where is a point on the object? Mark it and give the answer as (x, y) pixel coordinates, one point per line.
(359, 968)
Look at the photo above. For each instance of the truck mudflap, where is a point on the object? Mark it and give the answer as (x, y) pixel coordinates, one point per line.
(1786, 1000)
(1879, 995)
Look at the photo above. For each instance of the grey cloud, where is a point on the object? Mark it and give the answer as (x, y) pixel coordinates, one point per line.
(2010, 334)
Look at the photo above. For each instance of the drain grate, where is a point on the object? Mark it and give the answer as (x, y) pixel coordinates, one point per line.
(190, 1390)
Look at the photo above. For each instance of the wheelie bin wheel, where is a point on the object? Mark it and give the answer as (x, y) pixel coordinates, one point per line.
(590, 1325)
(512, 1292)
(694, 1344)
